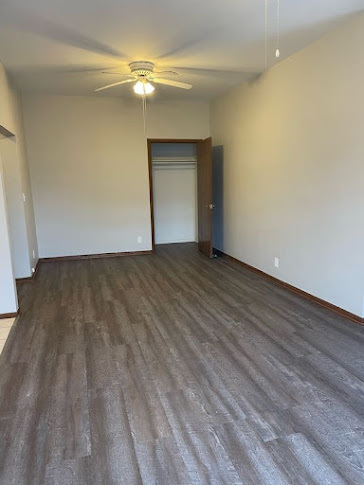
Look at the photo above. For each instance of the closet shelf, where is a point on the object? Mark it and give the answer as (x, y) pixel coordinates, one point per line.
(174, 160)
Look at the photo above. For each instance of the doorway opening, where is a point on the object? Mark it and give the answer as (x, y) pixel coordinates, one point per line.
(174, 171)
(180, 181)
(14, 246)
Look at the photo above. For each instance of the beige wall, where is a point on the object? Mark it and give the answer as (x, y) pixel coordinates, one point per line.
(10, 118)
(89, 169)
(8, 297)
(294, 168)
(25, 180)
(175, 204)
(15, 207)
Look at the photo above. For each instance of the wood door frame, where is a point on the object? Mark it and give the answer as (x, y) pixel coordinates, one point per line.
(150, 169)
(205, 197)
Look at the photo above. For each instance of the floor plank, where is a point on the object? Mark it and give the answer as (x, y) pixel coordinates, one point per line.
(173, 369)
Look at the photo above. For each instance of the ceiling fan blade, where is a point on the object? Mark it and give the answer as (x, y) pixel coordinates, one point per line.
(208, 72)
(118, 73)
(25, 20)
(64, 70)
(170, 82)
(115, 84)
(173, 73)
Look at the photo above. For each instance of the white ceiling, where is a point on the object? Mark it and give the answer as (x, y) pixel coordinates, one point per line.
(60, 46)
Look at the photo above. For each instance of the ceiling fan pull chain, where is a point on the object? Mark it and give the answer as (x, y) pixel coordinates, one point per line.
(144, 105)
(278, 53)
(266, 34)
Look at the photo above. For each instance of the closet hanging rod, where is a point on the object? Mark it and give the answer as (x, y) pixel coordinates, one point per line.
(175, 166)
(174, 159)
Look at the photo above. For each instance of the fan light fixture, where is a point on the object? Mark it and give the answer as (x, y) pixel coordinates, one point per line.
(141, 73)
(143, 87)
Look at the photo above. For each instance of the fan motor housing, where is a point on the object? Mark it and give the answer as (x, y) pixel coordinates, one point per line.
(141, 68)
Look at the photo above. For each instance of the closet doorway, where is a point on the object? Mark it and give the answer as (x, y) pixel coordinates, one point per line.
(14, 246)
(180, 178)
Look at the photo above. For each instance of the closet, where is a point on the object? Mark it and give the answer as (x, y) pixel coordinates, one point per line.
(174, 172)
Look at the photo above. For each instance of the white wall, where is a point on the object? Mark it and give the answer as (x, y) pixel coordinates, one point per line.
(16, 209)
(8, 297)
(11, 119)
(175, 204)
(293, 168)
(178, 119)
(89, 168)
(174, 192)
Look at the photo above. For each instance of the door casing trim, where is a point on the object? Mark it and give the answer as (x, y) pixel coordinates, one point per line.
(150, 171)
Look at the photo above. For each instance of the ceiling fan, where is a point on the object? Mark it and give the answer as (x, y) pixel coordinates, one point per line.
(143, 74)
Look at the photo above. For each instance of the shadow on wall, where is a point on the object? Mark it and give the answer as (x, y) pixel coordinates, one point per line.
(8, 297)
(15, 207)
(218, 197)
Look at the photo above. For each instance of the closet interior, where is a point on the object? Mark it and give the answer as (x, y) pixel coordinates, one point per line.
(174, 172)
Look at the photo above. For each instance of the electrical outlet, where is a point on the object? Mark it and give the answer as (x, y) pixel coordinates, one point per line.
(276, 262)
(139, 239)
(33, 254)
(24, 198)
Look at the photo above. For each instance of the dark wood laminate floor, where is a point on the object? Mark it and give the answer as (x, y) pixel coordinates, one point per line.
(175, 369)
